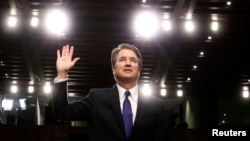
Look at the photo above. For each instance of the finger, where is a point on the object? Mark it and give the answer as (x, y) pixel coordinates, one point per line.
(58, 54)
(67, 50)
(71, 51)
(63, 51)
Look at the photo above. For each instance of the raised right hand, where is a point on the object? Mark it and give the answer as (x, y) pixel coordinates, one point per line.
(64, 61)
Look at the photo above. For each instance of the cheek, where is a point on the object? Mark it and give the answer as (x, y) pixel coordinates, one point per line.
(115, 70)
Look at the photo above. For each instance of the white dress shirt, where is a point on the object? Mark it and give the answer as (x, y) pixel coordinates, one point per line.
(133, 98)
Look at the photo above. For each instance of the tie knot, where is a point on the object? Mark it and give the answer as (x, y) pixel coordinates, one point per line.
(127, 93)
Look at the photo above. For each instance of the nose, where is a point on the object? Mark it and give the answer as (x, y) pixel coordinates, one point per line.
(128, 62)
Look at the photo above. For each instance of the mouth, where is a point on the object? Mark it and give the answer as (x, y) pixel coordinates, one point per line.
(127, 70)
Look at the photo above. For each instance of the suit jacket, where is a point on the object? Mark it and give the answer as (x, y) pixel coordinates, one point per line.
(101, 107)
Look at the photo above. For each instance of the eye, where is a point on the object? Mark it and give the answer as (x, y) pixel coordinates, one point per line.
(134, 60)
(122, 59)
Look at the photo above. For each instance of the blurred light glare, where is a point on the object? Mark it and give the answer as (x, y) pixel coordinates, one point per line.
(146, 89)
(214, 18)
(31, 89)
(165, 16)
(47, 88)
(201, 54)
(189, 16)
(56, 21)
(166, 25)
(22, 103)
(194, 67)
(229, 3)
(245, 88)
(34, 22)
(179, 93)
(189, 26)
(245, 94)
(163, 92)
(146, 24)
(13, 89)
(12, 21)
(7, 104)
(215, 26)
(35, 13)
(13, 11)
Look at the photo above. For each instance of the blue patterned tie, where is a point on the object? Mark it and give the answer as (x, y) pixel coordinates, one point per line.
(127, 114)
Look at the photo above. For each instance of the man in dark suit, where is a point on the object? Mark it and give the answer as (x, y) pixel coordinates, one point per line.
(105, 108)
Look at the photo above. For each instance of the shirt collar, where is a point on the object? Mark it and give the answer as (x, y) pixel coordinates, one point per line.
(133, 91)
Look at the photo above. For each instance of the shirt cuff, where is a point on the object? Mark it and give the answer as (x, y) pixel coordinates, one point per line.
(56, 80)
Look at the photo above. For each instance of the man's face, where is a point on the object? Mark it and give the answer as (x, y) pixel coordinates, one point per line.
(126, 68)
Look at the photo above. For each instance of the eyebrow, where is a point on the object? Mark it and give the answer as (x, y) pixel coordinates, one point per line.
(129, 57)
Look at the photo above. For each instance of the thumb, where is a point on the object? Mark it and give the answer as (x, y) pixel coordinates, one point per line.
(75, 60)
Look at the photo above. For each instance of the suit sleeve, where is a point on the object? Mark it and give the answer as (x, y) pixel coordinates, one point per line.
(79, 110)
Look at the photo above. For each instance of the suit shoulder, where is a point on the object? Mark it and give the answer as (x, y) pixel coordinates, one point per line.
(100, 90)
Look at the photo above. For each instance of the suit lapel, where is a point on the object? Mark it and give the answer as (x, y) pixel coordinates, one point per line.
(115, 104)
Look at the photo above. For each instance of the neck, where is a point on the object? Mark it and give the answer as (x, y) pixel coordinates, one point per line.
(128, 85)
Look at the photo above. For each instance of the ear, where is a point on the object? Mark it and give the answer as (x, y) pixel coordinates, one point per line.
(113, 70)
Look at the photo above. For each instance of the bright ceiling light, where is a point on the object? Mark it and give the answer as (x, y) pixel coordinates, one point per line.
(229, 3)
(201, 54)
(31, 89)
(13, 89)
(146, 89)
(12, 21)
(189, 26)
(56, 22)
(245, 88)
(214, 26)
(195, 67)
(34, 22)
(245, 94)
(47, 88)
(146, 24)
(163, 92)
(179, 93)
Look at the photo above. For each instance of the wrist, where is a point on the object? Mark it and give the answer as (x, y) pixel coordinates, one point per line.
(62, 75)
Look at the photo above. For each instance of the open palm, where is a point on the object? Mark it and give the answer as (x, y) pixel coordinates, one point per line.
(64, 60)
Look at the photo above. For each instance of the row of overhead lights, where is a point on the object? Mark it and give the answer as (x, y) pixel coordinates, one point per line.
(228, 3)
(7, 103)
(146, 89)
(146, 23)
(31, 89)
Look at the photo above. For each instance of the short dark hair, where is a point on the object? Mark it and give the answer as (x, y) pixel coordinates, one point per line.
(116, 50)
